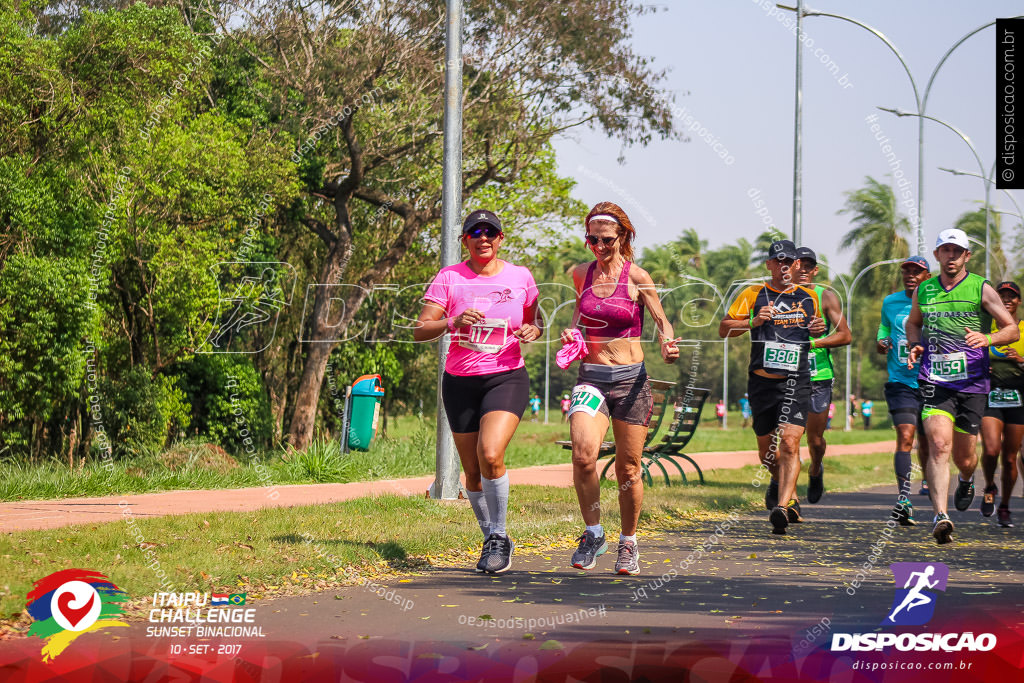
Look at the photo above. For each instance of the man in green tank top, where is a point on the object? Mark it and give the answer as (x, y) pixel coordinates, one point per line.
(822, 370)
(947, 329)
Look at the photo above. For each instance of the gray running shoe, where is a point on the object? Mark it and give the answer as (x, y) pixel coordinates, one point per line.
(629, 559)
(499, 557)
(589, 548)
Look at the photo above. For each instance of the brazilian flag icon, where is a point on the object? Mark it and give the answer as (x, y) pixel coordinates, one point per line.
(237, 598)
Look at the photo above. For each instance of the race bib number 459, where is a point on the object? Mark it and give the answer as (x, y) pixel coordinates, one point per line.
(948, 367)
(779, 356)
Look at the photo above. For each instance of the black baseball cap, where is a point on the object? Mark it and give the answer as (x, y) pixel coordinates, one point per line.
(477, 217)
(781, 249)
(806, 253)
(1012, 286)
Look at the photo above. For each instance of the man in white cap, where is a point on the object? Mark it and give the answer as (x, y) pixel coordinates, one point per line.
(946, 330)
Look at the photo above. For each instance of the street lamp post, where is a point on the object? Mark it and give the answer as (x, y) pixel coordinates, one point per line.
(921, 100)
(849, 320)
(446, 470)
(981, 166)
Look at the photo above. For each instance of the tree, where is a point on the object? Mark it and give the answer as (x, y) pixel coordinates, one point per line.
(357, 88)
(880, 233)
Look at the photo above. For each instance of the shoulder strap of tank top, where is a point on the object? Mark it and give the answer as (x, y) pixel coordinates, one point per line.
(622, 286)
(588, 281)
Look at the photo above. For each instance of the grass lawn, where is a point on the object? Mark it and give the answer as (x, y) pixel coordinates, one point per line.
(264, 552)
(407, 451)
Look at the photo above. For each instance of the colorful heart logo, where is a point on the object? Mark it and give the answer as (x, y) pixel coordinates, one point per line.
(72, 614)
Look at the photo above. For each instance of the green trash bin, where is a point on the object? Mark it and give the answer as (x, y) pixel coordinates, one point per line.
(364, 411)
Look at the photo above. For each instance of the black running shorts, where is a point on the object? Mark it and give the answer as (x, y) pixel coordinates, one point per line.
(904, 403)
(467, 398)
(778, 401)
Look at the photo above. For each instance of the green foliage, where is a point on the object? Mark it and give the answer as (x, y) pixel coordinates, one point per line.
(322, 461)
(140, 412)
(228, 401)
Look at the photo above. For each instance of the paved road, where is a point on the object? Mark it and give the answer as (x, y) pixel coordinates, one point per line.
(748, 583)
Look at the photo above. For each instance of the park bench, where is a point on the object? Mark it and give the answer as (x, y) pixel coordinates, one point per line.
(686, 414)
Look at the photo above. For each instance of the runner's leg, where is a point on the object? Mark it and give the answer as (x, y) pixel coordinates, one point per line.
(789, 460)
(496, 430)
(587, 433)
(629, 444)
(816, 441)
(1013, 436)
(939, 432)
(466, 445)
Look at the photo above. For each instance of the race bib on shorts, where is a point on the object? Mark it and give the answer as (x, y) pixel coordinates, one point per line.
(948, 367)
(812, 358)
(586, 399)
(779, 356)
(1004, 398)
(486, 336)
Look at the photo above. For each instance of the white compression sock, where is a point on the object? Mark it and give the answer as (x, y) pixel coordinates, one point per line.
(479, 505)
(496, 494)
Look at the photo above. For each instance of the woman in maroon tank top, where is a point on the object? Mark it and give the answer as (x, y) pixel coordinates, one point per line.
(612, 294)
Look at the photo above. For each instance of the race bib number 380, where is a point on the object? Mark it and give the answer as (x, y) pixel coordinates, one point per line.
(948, 367)
(779, 356)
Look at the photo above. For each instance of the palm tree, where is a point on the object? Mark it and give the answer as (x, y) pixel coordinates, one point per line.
(878, 234)
(760, 248)
(973, 223)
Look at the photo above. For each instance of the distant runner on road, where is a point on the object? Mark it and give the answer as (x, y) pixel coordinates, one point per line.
(947, 331)
(781, 316)
(490, 306)
(1002, 427)
(901, 392)
(822, 370)
(612, 294)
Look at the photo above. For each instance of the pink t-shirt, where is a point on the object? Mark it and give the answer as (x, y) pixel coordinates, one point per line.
(488, 347)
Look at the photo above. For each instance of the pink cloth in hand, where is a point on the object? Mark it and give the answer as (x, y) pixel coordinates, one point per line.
(573, 351)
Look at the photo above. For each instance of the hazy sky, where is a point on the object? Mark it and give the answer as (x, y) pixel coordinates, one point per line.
(732, 70)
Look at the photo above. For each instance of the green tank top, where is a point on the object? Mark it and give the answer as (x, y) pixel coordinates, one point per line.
(821, 359)
(947, 359)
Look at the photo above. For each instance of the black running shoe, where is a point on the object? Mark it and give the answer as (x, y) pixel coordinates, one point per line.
(499, 559)
(771, 495)
(793, 511)
(779, 519)
(485, 551)
(1004, 518)
(903, 513)
(964, 494)
(943, 529)
(815, 486)
(988, 500)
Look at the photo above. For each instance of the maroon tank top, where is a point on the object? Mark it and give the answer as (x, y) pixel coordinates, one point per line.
(613, 316)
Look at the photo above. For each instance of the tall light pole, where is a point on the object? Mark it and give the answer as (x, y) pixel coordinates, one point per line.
(921, 100)
(798, 116)
(849, 320)
(981, 166)
(446, 473)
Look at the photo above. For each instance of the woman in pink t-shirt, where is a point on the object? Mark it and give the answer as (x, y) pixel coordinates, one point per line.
(489, 306)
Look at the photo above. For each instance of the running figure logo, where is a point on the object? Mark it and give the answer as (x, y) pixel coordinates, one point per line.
(914, 603)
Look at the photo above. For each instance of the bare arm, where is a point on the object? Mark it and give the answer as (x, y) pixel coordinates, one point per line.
(648, 295)
(432, 322)
(833, 310)
(577, 284)
(1008, 331)
(915, 321)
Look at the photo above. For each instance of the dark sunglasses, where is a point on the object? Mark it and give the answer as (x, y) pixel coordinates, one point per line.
(594, 239)
(490, 231)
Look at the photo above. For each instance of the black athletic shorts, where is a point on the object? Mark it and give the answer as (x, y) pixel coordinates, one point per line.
(965, 410)
(778, 401)
(904, 404)
(467, 398)
(821, 395)
(1004, 410)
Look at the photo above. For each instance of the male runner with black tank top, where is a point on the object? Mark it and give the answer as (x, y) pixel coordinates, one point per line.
(781, 317)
